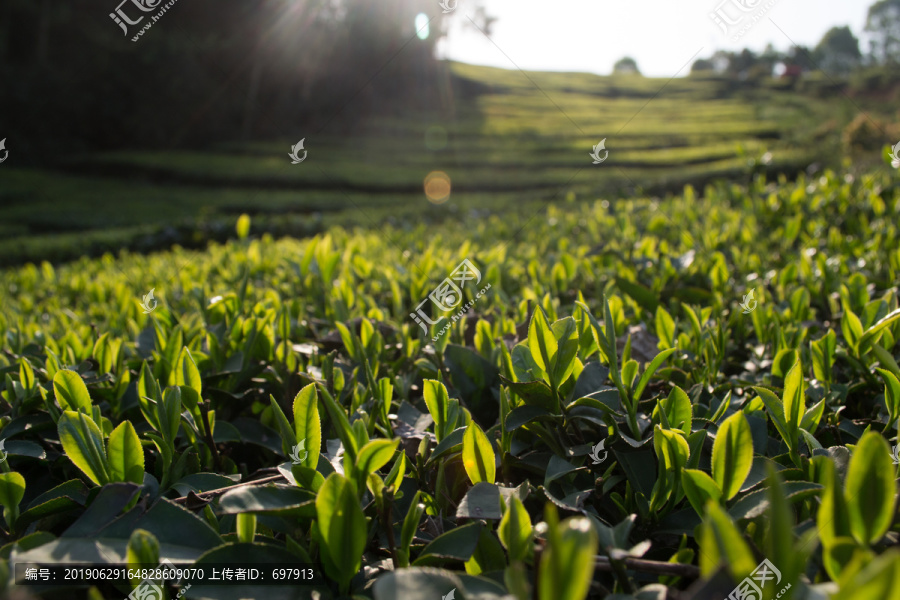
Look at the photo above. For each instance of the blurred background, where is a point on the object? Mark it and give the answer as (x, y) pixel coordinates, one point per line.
(124, 136)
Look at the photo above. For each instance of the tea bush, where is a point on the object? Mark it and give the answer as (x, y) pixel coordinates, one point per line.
(651, 397)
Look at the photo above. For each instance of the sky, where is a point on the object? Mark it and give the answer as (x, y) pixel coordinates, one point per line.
(663, 36)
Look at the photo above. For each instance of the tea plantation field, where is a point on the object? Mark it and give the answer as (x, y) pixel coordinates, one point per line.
(502, 138)
(647, 399)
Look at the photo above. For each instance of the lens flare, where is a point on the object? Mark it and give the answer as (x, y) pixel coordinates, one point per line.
(437, 187)
(423, 30)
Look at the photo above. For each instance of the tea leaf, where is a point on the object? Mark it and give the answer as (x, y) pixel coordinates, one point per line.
(478, 455)
(732, 455)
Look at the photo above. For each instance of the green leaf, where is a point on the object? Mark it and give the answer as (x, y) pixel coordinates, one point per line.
(63, 498)
(71, 392)
(605, 338)
(535, 394)
(677, 409)
(142, 552)
(307, 425)
(342, 525)
(567, 562)
(794, 400)
(375, 455)
(732, 454)
(187, 373)
(410, 525)
(437, 401)
(457, 544)
(515, 529)
(242, 228)
(887, 361)
(700, 489)
(348, 338)
(870, 489)
(891, 395)
(288, 437)
(524, 415)
(780, 539)
(812, 416)
(417, 583)
(823, 356)
(833, 518)
(478, 455)
(665, 327)
(566, 333)
(12, 490)
(541, 341)
(775, 410)
(245, 527)
(722, 544)
(482, 501)
(395, 476)
(879, 578)
(488, 556)
(755, 504)
(672, 452)
(871, 334)
(83, 444)
(126, 455)
(648, 374)
(640, 293)
(273, 499)
(851, 327)
(341, 423)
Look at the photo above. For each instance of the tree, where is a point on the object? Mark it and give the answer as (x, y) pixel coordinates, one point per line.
(838, 51)
(702, 65)
(883, 27)
(627, 66)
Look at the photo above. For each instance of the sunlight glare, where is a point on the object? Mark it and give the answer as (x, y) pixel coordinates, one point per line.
(423, 30)
(437, 187)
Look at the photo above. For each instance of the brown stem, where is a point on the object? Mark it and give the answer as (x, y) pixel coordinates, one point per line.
(204, 412)
(220, 491)
(649, 566)
(389, 527)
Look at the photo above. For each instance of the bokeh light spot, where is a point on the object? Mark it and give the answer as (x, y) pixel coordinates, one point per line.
(437, 187)
(423, 30)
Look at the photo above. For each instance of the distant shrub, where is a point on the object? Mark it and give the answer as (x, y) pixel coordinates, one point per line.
(863, 134)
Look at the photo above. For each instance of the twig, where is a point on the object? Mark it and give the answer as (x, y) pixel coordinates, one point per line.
(204, 411)
(389, 527)
(220, 491)
(649, 566)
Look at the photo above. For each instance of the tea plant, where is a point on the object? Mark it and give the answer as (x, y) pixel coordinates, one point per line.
(616, 417)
